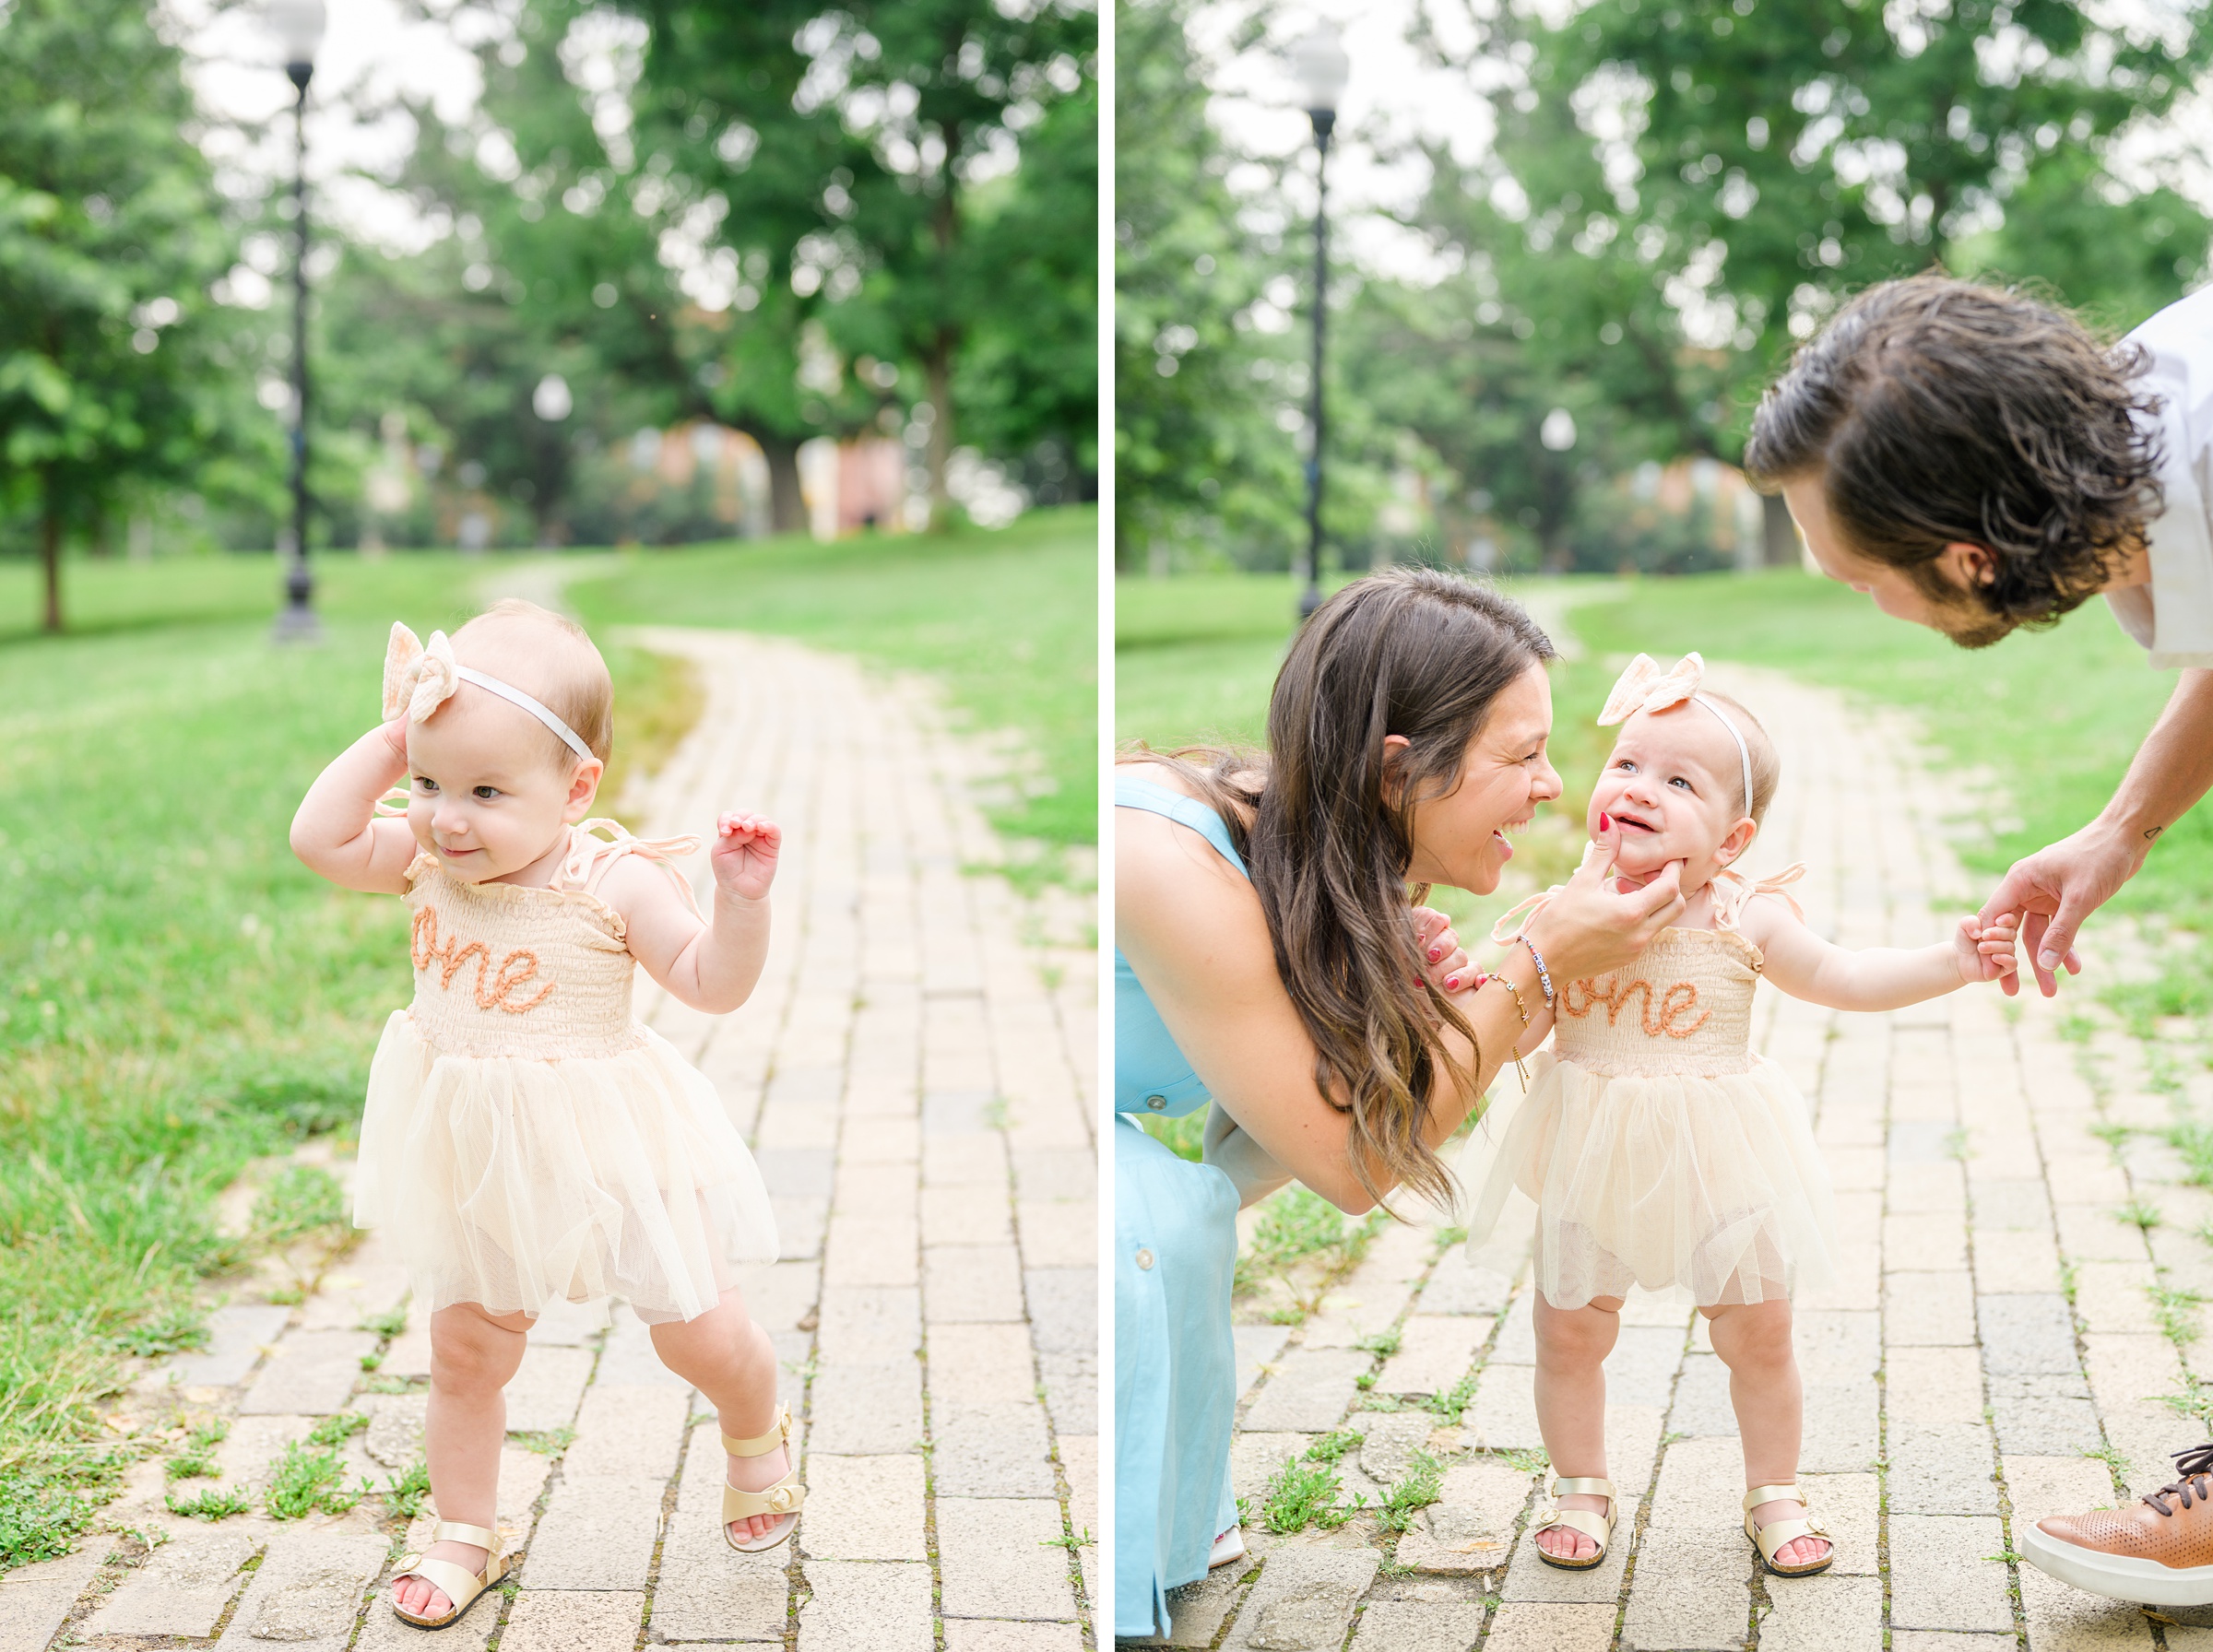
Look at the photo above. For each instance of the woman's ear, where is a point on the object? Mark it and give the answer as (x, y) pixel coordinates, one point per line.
(1395, 747)
(1739, 839)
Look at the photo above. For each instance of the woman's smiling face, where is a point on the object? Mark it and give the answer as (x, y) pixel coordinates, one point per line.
(1460, 838)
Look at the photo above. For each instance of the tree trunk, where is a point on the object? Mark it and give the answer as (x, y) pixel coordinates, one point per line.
(1777, 533)
(945, 230)
(50, 555)
(787, 504)
(938, 369)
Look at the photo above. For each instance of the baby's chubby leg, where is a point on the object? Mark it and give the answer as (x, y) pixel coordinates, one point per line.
(728, 1358)
(1572, 1345)
(1754, 1341)
(473, 1356)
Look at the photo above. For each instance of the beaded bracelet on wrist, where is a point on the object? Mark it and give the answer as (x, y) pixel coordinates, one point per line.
(1544, 974)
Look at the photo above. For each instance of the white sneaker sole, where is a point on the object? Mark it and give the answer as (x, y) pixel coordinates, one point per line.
(1229, 1547)
(2117, 1577)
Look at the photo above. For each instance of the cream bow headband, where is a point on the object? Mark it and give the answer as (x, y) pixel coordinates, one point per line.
(419, 678)
(1645, 688)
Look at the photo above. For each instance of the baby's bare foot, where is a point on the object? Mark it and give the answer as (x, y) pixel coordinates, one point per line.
(425, 1599)
(757, 1474)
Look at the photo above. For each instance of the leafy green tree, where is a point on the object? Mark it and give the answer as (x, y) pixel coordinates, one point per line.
(1419, 359)
(1682, 189)
(1027, 382)
(116, 370)
(838, 153)
(1199, 385)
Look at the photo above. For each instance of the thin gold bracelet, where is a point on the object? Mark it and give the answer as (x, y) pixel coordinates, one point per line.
(1521, 1009)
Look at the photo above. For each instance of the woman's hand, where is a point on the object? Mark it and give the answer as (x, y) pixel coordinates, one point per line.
(1592, 926)
(1445, 960)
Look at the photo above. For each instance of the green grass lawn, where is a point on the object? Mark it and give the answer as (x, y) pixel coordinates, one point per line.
(178, 994)
(2056, 714)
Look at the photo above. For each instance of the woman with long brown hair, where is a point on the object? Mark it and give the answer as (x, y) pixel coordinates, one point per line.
(1269, 962)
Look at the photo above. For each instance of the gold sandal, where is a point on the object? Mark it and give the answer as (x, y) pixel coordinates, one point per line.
(462, 1588)
(781, 1498)
(1767, 1539)
(1598, 1528)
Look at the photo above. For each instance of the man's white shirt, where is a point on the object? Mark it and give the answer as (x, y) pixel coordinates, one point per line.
(2173, 616)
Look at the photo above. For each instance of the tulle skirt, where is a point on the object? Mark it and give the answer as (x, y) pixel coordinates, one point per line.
(513, 1182)
(1708, 1190)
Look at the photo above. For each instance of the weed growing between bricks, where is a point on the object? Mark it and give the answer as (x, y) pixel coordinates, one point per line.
(1301, 1245)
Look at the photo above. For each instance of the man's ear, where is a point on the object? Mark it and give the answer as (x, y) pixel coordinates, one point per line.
(1740, 838)
(1970, 566)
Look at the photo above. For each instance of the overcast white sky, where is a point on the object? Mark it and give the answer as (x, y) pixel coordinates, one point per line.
(376, 50)
(373, 51)
(1395, 95)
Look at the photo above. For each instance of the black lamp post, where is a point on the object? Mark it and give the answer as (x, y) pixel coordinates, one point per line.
(1322, 69)
(299, 26)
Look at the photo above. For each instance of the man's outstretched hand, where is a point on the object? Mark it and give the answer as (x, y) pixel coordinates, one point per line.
(2054, 891)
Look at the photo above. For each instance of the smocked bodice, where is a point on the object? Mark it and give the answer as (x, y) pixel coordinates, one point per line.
(536, 974)
(1684, 1008)
(500, 970)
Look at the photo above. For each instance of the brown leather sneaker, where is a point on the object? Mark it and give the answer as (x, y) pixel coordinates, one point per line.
(2157, 1551)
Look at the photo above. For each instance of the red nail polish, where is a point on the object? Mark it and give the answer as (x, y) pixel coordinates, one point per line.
(1605, 822)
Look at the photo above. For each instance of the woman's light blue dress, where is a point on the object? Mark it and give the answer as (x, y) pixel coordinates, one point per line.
(1176, 1252)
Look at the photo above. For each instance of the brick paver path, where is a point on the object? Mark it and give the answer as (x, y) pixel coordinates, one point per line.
(1994, 1342)
(917, 1073)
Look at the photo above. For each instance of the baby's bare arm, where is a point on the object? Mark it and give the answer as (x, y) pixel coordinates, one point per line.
(1870, 978)
(337, 832)
(712, 966)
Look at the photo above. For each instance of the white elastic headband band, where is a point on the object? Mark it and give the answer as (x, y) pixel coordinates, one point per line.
(515, 696)
(1744, 752)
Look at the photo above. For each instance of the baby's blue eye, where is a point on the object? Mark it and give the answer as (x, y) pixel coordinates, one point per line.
(1678, 780)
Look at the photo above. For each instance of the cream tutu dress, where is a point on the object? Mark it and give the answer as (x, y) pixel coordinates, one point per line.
(1659, 1150)
(525, 1141)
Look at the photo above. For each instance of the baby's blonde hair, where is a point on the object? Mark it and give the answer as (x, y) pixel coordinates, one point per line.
(550, 657)
(1767, 767)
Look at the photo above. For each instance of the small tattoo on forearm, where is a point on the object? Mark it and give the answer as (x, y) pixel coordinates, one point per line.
(2153, 833)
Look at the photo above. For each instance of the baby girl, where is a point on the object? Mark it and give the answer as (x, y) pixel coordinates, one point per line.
(1661, 1152)
(526, 1141)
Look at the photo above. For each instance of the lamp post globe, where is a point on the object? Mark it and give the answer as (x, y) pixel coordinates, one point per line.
(298, 26)
(1320, 62)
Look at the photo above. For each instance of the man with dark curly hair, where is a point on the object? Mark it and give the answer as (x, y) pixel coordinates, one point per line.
(1976, 462)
